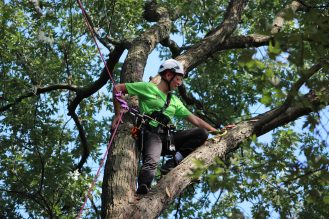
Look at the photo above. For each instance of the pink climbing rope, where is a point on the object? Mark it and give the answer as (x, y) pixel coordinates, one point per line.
(100, 166)
(117, 96)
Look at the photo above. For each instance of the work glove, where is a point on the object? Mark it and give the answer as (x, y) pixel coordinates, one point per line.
(222, 131)
(219, 132)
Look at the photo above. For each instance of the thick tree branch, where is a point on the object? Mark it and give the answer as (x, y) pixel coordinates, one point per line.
(172, 45)
(302, 106)
(90, 89)
(216, 41)
(125, 43)
(178, 179)
(219, 39)
(279, 19)
(239, 42)
(202, 50)
(86, 92)
(291, 95)
(153, 12)
(141, 47)
(38, 91)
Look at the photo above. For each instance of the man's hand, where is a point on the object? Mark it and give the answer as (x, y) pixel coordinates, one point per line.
(222, 131)
(219, 132)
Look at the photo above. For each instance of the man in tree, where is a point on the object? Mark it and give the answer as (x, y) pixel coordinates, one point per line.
(157, 101)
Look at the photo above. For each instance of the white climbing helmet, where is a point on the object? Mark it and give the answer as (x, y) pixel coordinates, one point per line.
(172, 65)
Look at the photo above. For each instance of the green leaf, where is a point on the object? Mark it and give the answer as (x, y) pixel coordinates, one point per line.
(274, 47)
(266, 99)
(326, 199)
(246, 56)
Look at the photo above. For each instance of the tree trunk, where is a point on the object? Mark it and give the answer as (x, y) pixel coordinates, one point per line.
(119, 183)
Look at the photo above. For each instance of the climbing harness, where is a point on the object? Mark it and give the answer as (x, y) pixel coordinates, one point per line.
(142, 123)
(163, 124)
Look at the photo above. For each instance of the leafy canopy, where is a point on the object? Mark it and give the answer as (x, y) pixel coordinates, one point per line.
(46, 43)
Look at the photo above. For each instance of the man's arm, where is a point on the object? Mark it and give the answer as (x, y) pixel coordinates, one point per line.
(117, 108)
(195, 120)
(118, 88)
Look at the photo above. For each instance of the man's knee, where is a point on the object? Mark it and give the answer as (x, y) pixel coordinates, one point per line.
(203, 134)
(150, 163)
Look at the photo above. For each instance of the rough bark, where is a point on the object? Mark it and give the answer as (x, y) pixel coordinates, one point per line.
(279, 19)
(141, 47)
(209, 45)
(120, 174)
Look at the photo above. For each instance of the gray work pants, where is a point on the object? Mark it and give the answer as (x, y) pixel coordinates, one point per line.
(155, 144)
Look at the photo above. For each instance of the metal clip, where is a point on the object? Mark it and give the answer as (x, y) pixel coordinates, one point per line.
(172, 147)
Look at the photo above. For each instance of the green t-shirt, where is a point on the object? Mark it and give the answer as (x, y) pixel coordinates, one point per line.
(152, 99)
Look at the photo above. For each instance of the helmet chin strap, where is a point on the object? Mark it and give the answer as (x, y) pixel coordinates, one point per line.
(168, 99)
(167, 103)
(169, 81)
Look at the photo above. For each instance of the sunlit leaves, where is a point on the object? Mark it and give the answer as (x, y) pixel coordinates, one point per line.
(266, 99)
(39, 144)
(118, 19)
(274, 49)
